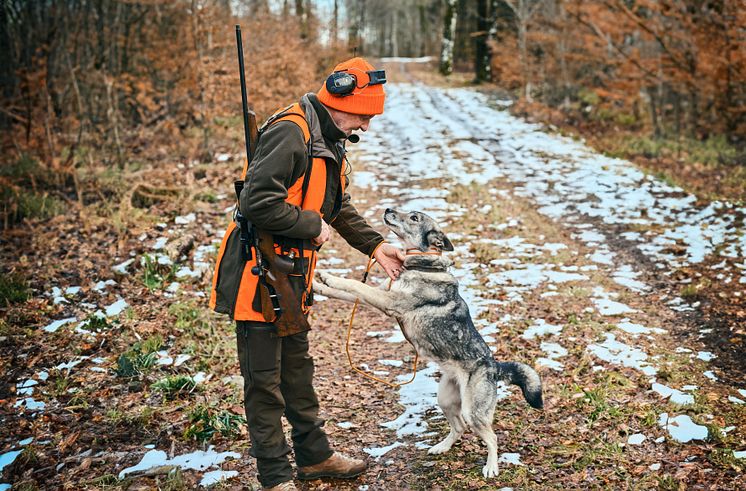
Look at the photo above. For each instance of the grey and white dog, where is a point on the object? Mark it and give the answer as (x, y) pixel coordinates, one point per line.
(436, 320)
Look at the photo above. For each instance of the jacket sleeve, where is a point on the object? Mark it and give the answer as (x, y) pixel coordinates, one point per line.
(280, 159)
(354, 228)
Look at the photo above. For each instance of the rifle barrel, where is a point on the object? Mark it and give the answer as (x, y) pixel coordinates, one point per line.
(244, 98)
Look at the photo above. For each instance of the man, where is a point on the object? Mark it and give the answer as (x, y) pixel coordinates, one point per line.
(298, 206)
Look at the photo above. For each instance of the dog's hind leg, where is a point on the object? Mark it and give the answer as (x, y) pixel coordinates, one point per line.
(449, 400)
(483, 402)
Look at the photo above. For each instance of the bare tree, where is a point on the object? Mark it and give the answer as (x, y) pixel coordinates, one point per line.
(523, 11)
(449, 33)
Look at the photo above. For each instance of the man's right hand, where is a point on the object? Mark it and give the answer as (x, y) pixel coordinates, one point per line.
(323, 236)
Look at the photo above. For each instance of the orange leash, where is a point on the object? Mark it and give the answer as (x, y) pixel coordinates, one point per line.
(349, 333)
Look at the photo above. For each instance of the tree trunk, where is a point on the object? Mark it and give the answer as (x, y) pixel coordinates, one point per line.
(335, 25)
(394, 35)
(653, 111)
(449, 33)
(481, 52)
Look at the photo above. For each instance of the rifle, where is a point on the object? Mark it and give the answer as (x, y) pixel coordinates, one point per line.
(280, 302)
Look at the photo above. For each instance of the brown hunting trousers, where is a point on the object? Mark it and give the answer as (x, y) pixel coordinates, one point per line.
(278, 379)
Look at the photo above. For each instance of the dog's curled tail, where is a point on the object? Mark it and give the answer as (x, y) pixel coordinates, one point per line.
(524, 377)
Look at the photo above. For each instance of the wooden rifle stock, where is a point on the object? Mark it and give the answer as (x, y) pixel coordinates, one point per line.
(291, 319)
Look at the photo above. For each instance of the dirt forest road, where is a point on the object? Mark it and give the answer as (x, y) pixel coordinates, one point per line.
(576, 263)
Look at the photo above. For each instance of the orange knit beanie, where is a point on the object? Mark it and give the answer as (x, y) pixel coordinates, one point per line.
(367, 100)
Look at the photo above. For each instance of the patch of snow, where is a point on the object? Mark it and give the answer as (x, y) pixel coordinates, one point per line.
(711, 375)
(213, 477)
(510, 458)
(417, 398)
(378, 452)
(636, 439)
(674, 395)
(606, 306)
(101, 285)
(183, 220)
(26, 388)
(72, 290)
(31, 404)
(116, 308)
(6, 459)
(345, 425)
(186, 272)
(160, 243)
(619, 353)
(553, 351)
(705, 355)
(180, 359)
(635, 329)
(736, 400)
(198, 460)
(541, 328)
(121, 268)
(682, 428)
(59, 323)
(625, 276)
(72, 363)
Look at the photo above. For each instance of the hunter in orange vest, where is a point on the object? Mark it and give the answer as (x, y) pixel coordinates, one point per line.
(295, 187)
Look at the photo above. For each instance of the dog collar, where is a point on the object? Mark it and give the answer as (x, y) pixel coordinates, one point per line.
(424, 269)
(416, 252)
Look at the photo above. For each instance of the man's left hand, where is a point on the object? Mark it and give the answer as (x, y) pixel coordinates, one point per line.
(391, 260)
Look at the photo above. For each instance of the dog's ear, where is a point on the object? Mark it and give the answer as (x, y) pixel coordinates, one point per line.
(447, 246)
(438, 239)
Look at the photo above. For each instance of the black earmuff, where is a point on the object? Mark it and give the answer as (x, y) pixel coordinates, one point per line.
(344, 83)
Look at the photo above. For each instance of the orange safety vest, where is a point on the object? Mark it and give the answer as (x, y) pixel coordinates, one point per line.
(234, 287)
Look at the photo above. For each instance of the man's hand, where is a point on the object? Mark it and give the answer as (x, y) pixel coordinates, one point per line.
(391, 259)
(323, 236)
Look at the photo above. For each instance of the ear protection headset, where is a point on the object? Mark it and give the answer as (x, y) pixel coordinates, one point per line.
(343, 82)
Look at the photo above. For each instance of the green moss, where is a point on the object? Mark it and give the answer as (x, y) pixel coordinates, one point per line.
(13, 289)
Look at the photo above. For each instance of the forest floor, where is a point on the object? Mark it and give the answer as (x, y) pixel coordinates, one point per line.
(625, 292)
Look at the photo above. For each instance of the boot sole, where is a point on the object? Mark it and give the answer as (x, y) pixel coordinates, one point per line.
(317, 475)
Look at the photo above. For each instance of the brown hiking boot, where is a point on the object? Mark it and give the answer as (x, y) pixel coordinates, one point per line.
(338, 465)
(283, 486)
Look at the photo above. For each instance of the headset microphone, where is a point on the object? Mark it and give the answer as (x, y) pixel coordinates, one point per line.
(353, 138)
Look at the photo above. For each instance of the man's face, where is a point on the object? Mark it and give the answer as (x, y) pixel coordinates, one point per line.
(348, 122)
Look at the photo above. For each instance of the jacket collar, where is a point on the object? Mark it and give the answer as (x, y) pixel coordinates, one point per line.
(320, 125)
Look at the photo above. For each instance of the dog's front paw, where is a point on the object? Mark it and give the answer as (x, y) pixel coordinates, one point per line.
(321, 288)
(321, 277)
(490, 470)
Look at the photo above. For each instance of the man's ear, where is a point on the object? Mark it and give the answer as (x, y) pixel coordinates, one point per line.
(439, 240)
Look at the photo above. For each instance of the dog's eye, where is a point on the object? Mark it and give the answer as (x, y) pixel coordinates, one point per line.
(414, 218)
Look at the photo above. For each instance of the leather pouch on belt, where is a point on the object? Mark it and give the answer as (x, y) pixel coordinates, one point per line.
(263, 303)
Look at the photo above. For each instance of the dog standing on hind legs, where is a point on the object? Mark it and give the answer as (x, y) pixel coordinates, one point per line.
(436, 320)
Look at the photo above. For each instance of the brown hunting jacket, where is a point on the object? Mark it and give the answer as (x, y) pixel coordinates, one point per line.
(281, 157)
